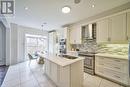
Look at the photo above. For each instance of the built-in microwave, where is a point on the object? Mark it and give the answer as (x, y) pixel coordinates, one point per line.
(62, 46)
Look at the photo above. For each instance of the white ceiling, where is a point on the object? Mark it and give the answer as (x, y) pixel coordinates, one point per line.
(49, 11)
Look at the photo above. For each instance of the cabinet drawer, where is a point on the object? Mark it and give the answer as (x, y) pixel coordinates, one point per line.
(114, 64)
(116, 67)
(110, 74)
(112, 60)
(117, 76)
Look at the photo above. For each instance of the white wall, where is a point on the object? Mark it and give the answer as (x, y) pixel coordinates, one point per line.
(7, 26)
(2, 44)
(8, 46)
(13, 44)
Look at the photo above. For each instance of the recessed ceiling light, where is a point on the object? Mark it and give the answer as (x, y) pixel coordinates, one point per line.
(93, 6)
(26, 8)
(66, 9)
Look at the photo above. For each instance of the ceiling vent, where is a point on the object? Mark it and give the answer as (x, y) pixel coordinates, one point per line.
(77, 1)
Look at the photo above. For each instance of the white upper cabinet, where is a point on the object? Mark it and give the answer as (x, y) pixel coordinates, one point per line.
(117, 28)
(112, 29)
(102, 31)
(71, 32)
(62, 33)
(128, 25)
(75, 34)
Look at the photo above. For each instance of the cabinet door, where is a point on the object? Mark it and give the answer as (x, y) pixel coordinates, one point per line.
(78, 36)
(47, 67)
(75, 34)
(102, 31)
(54, 72)
(64, 76)
(72, 35)
(128, 25)
(117, 28)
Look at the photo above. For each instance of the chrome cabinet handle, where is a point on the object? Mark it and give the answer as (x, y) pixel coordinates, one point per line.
(117, 76)
(101, 64)
(102, 58)
(117, 67)
(109, 39)
(117, 60)
(127, 38)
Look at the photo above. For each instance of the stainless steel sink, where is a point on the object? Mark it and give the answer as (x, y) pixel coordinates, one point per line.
(69, 57)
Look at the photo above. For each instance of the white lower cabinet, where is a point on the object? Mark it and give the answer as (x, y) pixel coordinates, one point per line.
(113, 29)
(65, 76)
(54, 71)
(47, 70)
(112, 68)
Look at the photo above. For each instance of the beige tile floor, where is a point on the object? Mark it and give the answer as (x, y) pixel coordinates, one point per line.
(23, 75)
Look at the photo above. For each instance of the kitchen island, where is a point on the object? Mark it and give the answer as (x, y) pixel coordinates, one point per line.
(64, 72)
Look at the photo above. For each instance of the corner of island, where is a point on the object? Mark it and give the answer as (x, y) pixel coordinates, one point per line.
(64, 72)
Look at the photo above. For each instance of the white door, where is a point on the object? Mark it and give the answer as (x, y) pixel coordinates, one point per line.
(118, 28)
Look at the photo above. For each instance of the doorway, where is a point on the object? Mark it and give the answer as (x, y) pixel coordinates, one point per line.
(35, 44)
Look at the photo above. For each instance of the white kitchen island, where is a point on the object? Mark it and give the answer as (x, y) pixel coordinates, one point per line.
(64, 72)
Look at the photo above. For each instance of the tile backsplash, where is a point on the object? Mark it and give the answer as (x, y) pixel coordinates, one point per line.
(120, 49)
(92, 46)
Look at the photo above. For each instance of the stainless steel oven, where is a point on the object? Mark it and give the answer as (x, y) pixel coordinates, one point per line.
(89, 63)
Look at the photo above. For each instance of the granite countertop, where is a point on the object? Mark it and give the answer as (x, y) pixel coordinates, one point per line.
(62, 61)
(113, 55)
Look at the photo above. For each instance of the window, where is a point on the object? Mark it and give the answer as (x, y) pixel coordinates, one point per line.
(36, 44)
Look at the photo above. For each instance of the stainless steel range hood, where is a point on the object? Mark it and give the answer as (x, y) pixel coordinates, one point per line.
(89, 31)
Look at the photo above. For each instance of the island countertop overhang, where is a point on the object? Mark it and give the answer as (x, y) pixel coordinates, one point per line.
(62, 61)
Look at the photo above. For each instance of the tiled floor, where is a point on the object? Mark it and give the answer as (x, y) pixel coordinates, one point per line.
(23, 75)
(3, 70)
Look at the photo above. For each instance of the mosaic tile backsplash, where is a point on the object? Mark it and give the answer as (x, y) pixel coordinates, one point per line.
(120, 49)
(89, 46)
(92, 46)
